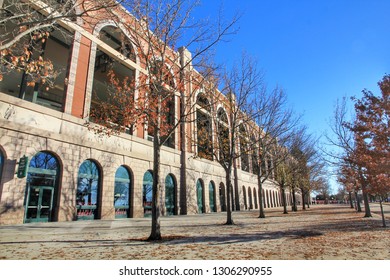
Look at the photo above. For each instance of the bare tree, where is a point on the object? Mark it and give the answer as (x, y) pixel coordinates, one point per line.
(344, 157)
(283, 177)
(231, 120)
(151, 32)
(167, 76)
(275, 122)
(305, 164)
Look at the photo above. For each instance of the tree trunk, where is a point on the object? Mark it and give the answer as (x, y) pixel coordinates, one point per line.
(260, 194)
(284, 201)
(294, 204)
(156, 210)
(183, 155)
(229, 219)
(367, 210)
(382, 213)
(308, 200)
(358, 207)
(303, 199)
(350, 199)
(183, 183)
(236, 204)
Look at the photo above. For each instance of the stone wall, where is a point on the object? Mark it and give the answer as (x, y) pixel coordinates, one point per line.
(27, 128)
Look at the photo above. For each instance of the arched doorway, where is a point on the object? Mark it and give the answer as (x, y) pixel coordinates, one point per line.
(122, 193)
(199, 196)
(255, 198)
(222, 197)
(250, 198)
(212, 197)
(245, 200)
(88, 191)
(170, 195)
(274, 198)
(42, 188)
(147, 193)
(267, 195)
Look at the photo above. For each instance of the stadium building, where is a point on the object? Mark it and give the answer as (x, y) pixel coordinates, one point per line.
(53, 167)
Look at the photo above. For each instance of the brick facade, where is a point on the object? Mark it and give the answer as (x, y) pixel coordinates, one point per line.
(27, 128)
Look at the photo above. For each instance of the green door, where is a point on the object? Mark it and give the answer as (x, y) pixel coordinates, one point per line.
(169, 195)
(41, 188)
(199, 192)
(211, 197)
(39, 204)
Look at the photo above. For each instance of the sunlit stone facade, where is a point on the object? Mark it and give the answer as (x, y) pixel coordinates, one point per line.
(75, 174)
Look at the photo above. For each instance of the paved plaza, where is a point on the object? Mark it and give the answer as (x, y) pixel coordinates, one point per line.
(321, 232)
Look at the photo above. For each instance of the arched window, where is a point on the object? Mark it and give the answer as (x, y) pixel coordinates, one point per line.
(170, 195)
(245, 199)
(250, 198)
(42, 188)
(88, 191)
(199, 196)
(162, 83)
(203, 102)
(212, 196)
(113, 86)
(273, 198)
(147, 193)
(222, 116)
(222, 196)
(267, 194)
(169, 105)
(244, 149)
(255, 157)
(255, 198)
(204, 127)
(223, 134)
(122, 193)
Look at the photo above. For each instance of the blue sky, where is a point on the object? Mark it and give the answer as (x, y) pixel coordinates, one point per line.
(318, 51)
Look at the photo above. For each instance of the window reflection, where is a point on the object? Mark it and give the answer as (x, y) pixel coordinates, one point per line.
(212, 196)
(170, 195)
(87, 190)
(122, 193)
(147, 194)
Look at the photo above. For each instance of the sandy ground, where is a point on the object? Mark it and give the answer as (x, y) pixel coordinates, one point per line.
(330, 232)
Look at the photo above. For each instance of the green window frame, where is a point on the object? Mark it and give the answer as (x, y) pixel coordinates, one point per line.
(88, 188)
(122, 193)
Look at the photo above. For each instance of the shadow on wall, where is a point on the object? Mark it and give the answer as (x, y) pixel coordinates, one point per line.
(8, 175)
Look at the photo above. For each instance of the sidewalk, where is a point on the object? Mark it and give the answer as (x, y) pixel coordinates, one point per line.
(321, 232)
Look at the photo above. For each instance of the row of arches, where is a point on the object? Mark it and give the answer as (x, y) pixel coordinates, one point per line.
(102, 71)
(206, 131)
(119, 40)
(270, 198)
(103, 67)
(43, 191)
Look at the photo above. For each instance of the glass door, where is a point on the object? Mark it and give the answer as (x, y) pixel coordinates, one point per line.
(39, 204)
(169, 195)
(199, 195)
